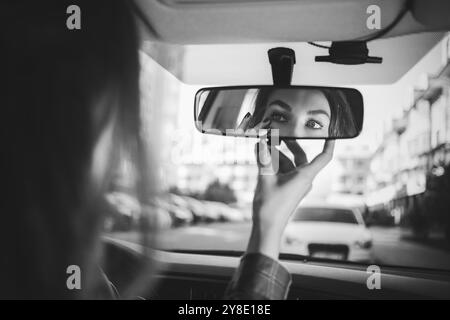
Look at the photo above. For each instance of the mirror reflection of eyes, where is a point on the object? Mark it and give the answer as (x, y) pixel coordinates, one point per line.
(318, 119)
(297, 112)
(313, 124)
(280, 112)
(277, 113)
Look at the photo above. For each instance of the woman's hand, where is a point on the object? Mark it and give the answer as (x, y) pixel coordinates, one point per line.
(247, 123)
(278, 194)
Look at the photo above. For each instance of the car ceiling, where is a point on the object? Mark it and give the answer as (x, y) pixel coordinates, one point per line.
(225, 42)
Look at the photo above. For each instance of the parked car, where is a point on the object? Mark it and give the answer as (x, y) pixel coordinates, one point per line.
(213, 212)
(198, 210)
(180, 216)
(161, 218)
(124, 203)
(230, 214)
(335, 232)
(223, 212)
(123, 212)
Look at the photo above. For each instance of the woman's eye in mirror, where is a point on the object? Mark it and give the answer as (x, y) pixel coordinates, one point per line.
(278, 117)
(277, 114)
(313, 124)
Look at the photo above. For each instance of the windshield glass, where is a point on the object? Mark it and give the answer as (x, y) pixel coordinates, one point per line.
(325, 215)
(395, 175)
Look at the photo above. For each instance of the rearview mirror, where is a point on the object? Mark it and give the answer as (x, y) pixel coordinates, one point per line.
(295, 111)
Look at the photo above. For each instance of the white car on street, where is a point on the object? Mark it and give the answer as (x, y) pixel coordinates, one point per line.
(326, 231)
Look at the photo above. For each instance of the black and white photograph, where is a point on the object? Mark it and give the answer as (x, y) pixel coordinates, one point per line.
(213, 152)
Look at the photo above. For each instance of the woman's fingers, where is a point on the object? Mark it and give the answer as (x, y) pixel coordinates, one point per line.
(285, 165)
(263, 156)
(274, 158)
(299, 155)
(323, 158)
(244, 123)
(264, 161)
(265, 124)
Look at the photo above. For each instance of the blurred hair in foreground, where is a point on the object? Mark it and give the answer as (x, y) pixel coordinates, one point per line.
(65, 93)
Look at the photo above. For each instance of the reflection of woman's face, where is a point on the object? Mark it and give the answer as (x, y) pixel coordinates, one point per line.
(298, 113)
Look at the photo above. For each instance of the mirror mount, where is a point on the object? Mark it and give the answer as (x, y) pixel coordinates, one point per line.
(349, 53)
(282, 61)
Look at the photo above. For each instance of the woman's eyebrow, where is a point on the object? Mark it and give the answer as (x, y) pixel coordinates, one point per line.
(282, 104)
(318, 111)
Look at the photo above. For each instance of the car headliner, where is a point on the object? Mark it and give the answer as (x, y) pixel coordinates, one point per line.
(218, 42)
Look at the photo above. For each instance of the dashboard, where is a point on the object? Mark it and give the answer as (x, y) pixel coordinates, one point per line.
(186, 276)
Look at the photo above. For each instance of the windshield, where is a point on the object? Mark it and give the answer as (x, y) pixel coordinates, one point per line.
(395, 175)
(325, 215)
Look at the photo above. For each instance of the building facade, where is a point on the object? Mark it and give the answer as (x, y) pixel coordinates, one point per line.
(416, 147)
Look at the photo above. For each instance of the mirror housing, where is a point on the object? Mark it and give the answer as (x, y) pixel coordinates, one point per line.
(295, 112)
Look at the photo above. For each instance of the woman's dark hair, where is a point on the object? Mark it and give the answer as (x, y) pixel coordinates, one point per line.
(61, 88)
(342, 123)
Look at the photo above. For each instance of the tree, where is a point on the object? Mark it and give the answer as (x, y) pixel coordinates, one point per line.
(217, 191)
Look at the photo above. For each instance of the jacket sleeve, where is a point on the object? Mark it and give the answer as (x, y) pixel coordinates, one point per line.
(259, 277)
